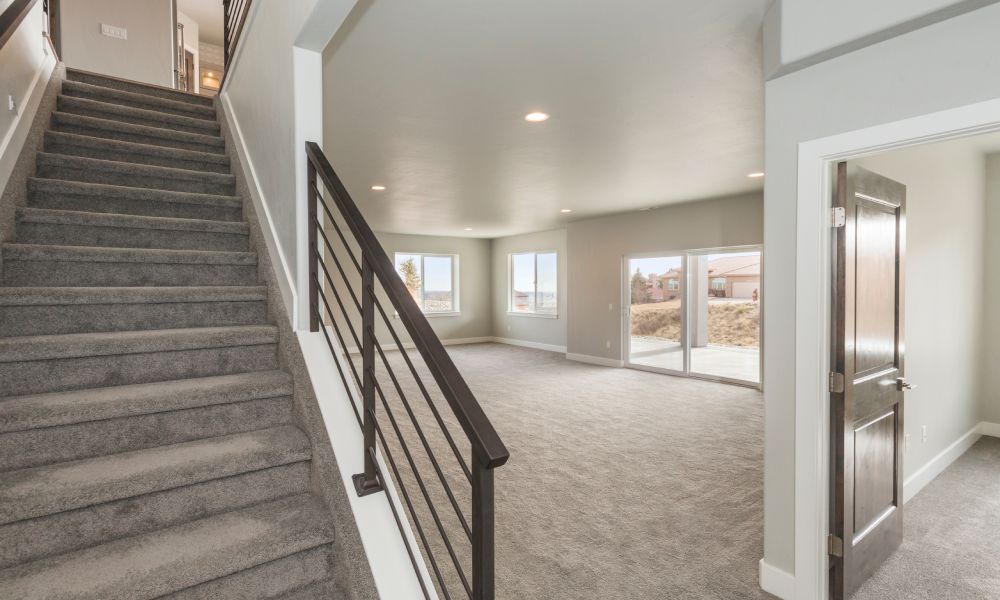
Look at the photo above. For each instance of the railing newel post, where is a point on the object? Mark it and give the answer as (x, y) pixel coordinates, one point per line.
(314, 321)
(483, 530)
(367, 483)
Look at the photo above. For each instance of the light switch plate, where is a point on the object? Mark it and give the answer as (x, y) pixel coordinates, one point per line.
(116, 32)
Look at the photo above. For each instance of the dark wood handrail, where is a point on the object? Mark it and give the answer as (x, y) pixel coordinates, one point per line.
(12, 17)
(234, 17)
(487, 445)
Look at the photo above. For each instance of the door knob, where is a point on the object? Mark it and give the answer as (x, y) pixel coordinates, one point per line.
(903, 385)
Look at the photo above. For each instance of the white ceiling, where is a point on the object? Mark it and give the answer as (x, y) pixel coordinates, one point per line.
(208, 15)
(653, 102)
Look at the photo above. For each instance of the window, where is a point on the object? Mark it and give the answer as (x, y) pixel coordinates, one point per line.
(432, 280)
(533, 283)
(719, 284)
(673, 284)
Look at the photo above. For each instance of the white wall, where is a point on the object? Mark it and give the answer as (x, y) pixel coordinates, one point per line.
(804, 29)
(991, 379)
(475, 319)
(945, 291)
(542, 331)
(598, 246)
(148, 53)
(192, 44)
(946, 65)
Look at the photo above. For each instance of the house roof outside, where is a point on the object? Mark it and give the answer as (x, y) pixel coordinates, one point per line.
(733, 266)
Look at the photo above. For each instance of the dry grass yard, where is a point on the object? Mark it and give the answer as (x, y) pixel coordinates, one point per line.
(730, 322)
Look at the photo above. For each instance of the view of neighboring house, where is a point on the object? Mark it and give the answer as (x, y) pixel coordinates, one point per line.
(732, 276)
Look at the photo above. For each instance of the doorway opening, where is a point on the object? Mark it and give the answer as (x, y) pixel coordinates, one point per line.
(695, 313)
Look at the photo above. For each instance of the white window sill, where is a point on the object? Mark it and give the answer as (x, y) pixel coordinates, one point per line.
(534, 315)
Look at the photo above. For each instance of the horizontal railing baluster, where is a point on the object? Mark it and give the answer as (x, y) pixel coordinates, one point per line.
(487, 450)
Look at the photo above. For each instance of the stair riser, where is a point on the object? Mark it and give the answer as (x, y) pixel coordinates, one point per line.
(268, 581)
(43, 273)
(39, 376)
(121, 237)
(91, 318)
(138, 206)
(192, 111)
(38, 447)
(136, 158)
(108, 112)
(167, 142)
(75, 529)
(137, 88)
(197, 186)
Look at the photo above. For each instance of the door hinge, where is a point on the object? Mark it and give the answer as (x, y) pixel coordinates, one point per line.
(837, 383)
(838, 216)
(835, 546)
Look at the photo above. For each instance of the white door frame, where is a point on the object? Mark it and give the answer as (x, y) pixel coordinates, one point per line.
(812, 311)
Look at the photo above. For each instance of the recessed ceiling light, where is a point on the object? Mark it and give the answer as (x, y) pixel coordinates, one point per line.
(378, 188)
(468, 229)
(536, 117)
(756, 175)
(566, 210)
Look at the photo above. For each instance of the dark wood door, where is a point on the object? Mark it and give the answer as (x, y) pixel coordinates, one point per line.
(866, 517)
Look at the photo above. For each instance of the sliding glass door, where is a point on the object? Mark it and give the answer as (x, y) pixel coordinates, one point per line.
(655, 290)
(696, 313)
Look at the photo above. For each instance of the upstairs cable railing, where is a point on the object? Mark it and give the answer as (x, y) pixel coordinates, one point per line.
(439, 446)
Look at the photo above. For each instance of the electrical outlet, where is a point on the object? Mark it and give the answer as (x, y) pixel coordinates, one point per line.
(611, 307)
(508, 329)
(607, 344)
(11, 103)
(115, 32)
(923, 434)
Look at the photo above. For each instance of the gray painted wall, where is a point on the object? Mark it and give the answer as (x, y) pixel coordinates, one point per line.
(529, 328)
(148, 53)
(596, 248)
(475, 318)
(947, 65)
(991, 375)
(945, 291)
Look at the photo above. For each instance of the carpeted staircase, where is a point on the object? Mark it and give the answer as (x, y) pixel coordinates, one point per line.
(146, 441)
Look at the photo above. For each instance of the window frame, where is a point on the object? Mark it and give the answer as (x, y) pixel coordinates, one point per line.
(510, 286)
(456, 307)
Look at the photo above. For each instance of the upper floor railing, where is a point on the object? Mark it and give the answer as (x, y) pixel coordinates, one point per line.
(234, 16)
(350, 275)
(12, 16)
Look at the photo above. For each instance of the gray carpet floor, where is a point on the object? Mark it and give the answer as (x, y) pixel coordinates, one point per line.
(951, 550)
(621, 483)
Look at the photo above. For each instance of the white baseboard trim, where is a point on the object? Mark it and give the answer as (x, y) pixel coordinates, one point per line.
(15, 136)
(386, 551)
(595, 360)
(916, 482)
(283, 274)
(411, 345)
(776, 581)
(527, 344)
(990, 429)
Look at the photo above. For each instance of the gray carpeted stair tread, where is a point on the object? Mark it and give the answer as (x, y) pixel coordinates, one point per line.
(61, 142)
(39, 491)
(51, 347)
(135, 116)
(41, 252)
(94, 170)
(320, 590)
(101, 523)
(131, 132)
(47, 296)
(136, 87)
(176, 558)
(91, 219)
(63, 408)
(270, 581)
(136, 100)
(96, 197)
